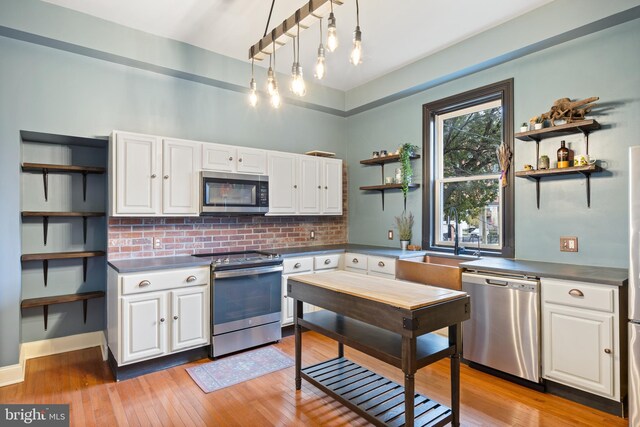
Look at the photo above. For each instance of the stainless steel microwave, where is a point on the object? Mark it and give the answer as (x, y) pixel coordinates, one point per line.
(234, 193)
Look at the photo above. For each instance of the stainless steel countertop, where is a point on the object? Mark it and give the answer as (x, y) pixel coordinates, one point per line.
(582, 273)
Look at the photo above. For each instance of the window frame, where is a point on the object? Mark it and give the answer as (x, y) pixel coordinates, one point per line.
(502, 91)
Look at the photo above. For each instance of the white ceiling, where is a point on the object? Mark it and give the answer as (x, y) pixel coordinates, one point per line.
(394, 33)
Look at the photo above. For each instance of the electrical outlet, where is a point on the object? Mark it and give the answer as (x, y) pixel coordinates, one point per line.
(568, 244)
(157, 243)
(390, 235)
(312, 235)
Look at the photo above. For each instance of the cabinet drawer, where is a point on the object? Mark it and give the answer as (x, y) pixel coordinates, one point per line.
(382, 265)
(297, 265)
(578, 294)
(158, 280)
(325, 262)
(357, 261)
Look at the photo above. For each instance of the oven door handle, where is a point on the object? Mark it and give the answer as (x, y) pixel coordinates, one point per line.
(246, 272)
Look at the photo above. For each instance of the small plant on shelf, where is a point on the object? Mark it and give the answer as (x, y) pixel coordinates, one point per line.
(407, 150)
(405, 226)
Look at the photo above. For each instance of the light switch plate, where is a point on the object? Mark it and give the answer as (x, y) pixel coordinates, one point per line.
(568, 244)
(390, 235)
(312, 235)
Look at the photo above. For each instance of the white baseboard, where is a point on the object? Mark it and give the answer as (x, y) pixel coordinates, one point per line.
(15, 373)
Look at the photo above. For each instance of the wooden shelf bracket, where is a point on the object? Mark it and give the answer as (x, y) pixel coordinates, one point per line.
(45, 302)
(45, 257)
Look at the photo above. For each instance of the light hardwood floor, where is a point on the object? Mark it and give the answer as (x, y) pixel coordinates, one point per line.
(171, 398)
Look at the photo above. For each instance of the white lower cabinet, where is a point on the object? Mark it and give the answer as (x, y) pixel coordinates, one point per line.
(156, 313)
(580, 336)
(370, 264)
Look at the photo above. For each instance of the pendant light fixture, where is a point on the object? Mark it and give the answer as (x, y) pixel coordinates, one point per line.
(356, 52)
(275, 95)
(320, 63)
(332, 35)
(253, 94)
(298, 86)
(270, 79)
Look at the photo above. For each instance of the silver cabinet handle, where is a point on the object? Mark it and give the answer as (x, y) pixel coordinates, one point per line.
(355, 260)
(166, 177)
(607, 350)
(230, 158)
(162, 320)
(191, 279)
(153, 175)
(240, 159)
(381, 264)
(297, 265)
(576, 293)
(144, 283)
(327, 261)
(175, 317)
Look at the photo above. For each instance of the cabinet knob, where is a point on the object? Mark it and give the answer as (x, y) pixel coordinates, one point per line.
(607, 350)
(380, 264)
(319, 187)
(162, 320)
(240, 159)
(327, 261)
(297, 265)
(175, 317)
(166, 177)
(230, 158)
(576, 293)
(295, 186)
(326, 188)
(153, 175)
(191, 279)
(355, 260)
(144, 283)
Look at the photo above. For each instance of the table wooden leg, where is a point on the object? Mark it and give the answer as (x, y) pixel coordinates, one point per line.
(340, 349)
(297, 311)
(455, 334)
(409, 369)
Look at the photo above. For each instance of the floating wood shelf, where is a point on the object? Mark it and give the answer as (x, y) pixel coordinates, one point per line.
(382, 188)
(45, 219)
(45, 257)
(386, 159)
(537, 174)
(46, 168)
(45, 302)
(584, 126)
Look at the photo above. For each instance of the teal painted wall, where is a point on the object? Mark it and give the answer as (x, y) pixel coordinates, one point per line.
(53, 91)
(603, 64)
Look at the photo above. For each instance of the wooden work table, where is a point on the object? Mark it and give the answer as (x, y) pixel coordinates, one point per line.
(387, 319)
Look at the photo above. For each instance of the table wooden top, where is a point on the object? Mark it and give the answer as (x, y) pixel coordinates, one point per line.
(397, 293)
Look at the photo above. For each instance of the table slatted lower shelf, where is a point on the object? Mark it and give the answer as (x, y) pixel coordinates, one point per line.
(376, 398)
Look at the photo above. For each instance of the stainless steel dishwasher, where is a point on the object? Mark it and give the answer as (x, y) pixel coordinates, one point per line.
(503, 332)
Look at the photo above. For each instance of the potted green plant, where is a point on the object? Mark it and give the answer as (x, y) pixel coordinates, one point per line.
(407, 150)
(405, 226)
(524, 127)
(539, 123)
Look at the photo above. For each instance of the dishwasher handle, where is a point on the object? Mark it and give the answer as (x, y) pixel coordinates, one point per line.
(494, 282)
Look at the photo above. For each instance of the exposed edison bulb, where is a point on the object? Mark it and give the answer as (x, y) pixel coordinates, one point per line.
(275, 99)
(253, 95)
(356, 53)
(298, 86)
(320, 64)
(332, 35)
(271, 81)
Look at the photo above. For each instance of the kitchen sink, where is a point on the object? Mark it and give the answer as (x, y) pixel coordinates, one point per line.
(441, 271)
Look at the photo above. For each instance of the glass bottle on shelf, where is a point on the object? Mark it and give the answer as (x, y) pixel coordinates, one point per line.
(563, 156)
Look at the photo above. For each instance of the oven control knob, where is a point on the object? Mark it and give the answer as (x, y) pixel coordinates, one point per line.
(270, 256)
(218, 261)
(226, 260)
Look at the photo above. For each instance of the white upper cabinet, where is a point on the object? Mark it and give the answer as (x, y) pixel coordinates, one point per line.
(304, 185)
(310, 169)
(252, 160)
(332, 186)
(136, 166)
(180, 179)
(152, 176)
(283, 187)
(228, 158)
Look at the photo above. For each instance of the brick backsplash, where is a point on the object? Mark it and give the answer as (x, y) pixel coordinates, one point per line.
(133, 237)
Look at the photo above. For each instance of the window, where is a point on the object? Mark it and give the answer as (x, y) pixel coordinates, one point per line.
(462, 134)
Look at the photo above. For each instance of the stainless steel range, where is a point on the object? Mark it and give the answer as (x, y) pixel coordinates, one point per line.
(245, 300)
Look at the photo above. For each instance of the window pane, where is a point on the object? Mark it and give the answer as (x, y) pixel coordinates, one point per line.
(478, 207)
(469, 143)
